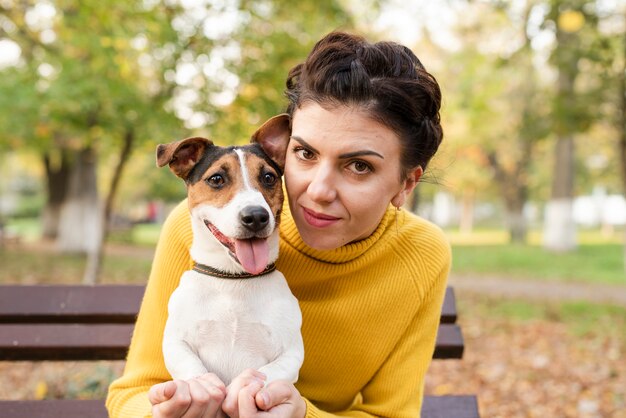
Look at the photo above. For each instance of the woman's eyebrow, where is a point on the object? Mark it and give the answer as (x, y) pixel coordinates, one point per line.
(360, 154)
(342, 156)
(304, 143)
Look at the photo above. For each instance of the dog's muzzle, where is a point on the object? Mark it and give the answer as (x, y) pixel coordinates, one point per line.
(254, 218)
(251, 248)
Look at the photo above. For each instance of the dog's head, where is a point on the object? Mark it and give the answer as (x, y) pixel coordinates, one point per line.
(235, 194)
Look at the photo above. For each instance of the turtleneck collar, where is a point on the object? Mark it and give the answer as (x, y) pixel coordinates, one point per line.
(290, 236)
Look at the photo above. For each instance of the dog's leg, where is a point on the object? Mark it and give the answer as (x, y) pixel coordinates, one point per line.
(286, 366)
(181, 361)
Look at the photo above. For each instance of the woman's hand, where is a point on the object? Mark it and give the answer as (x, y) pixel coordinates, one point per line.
(246, 378)
(200, 397)
(279, 399)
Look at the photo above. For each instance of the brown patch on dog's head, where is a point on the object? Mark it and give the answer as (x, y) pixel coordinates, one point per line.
(273, 136)
(218, 184)
(182, 155)
(266, 179)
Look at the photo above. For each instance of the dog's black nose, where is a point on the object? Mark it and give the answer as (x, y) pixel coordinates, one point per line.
(254, 218)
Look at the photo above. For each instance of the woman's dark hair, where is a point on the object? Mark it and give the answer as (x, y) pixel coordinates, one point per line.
(385, 79)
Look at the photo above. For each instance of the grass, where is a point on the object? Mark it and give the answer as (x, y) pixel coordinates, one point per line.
(597, 259)
(486, 236)
(24, 266)
(581, 318)
(601, 263)
(28, 229)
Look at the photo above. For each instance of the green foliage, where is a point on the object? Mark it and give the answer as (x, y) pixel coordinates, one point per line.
(84, 87)
(600, 263)
(275, 38)
(29, 206)
(94, 72)
(495, 107)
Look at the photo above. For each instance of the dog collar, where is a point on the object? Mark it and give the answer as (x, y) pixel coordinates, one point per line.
(211, 271)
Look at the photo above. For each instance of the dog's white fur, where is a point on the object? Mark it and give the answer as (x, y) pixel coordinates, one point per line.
(225, 326)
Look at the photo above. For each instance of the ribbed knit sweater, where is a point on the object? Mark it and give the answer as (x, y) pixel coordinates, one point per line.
(370, 314)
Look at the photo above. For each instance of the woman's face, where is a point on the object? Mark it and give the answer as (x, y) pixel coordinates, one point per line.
(341, 171)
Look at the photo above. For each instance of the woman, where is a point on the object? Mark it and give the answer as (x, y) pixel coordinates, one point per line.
(370, 277)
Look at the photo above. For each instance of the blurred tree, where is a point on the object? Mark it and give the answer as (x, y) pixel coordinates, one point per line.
(621, 121)
(504, 115)
(88, 82)
(97, 78)
(621, 113)
(574, 25)
(611, 50)
(276, 36)
(524, 98)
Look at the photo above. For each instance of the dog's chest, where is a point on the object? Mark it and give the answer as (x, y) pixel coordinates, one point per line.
(229, 325)
(249, 339)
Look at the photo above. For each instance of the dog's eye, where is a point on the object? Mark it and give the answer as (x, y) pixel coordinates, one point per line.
(269, 179)
(216, 181)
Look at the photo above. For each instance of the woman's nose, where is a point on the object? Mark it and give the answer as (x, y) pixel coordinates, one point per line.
(322, 186)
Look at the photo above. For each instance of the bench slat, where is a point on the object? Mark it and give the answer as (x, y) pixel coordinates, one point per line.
(34, 342)
(448, 310)
(117, 304)
(53, 408)
(450, 406)
(70, 303)
(449, 344)
(433, 407)
(76, 322)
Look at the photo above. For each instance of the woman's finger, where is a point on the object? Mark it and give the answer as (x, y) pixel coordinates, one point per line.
(200, 400)
(161, 392)
(214, 393)
(246, 399)
(276, 393)
(230, 405)
(177, 405)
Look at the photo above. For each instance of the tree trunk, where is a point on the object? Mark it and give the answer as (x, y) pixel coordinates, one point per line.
(622, 128)
(514, 192)
(516, 222)
(80, 222)
(559, 227)
(57, 178)
(96, 255)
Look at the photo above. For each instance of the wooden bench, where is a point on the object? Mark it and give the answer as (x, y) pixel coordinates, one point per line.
(64, 322)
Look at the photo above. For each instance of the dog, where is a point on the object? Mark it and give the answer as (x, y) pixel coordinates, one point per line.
(233, 311)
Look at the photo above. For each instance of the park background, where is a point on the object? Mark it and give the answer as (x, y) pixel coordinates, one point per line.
(529, 183)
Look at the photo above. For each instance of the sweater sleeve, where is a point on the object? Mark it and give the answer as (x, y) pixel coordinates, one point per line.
(397, 389)
(127, 396)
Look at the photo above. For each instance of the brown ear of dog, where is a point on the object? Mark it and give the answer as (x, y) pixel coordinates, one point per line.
(273, 136)
(182, 155)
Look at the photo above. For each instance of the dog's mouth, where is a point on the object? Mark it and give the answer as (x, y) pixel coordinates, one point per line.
(251, 253)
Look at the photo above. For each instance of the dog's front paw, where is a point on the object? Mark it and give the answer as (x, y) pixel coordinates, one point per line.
(274, 373)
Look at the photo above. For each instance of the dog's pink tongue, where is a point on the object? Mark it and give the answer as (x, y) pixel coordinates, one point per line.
(253, 254)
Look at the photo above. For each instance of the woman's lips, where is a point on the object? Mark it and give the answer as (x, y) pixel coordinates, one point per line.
(318, 220)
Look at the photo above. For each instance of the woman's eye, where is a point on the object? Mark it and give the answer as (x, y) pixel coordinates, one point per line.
(269, 179)
(360, 167)
(216, 181)
(303, 153)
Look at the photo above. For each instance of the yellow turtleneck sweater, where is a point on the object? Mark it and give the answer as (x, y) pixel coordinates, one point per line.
(370, 314)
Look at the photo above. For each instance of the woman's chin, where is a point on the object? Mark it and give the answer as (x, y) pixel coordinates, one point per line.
(322, 243)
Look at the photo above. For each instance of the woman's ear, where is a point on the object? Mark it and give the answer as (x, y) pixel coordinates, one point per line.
(409, 183)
